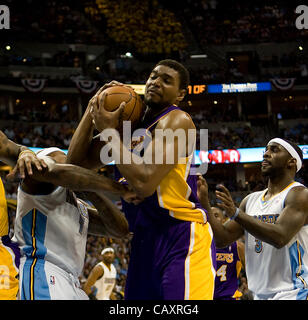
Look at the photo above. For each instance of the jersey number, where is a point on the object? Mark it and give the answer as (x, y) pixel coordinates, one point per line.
(4, 277)
(221, 272)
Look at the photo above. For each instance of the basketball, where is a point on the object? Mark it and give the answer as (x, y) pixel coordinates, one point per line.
(134, 107)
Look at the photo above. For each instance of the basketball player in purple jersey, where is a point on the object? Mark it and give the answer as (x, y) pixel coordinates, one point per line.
(230, 259)
(172, 253)
(229, 262)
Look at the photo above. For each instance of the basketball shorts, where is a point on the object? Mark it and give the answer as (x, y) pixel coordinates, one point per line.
(42, 280)
(296, 294)
(172, 264)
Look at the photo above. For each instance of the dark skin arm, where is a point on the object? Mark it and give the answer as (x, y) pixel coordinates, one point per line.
(74, 178)
(96, 273)
(224, 234)
(106, 220)
(143, 177)
(10, 154)
(278, 234)
(84, 149)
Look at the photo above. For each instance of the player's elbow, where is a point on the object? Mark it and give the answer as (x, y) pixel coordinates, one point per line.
(123, 230)
(279, 242)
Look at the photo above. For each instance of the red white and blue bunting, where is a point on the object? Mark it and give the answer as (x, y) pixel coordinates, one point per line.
(34, 85)
(86, 86)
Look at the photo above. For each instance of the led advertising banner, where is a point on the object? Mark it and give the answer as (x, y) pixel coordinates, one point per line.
(239, 87)
(217, 88)
(225, 156)
(241, 155)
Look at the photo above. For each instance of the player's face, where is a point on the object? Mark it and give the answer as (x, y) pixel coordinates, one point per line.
(274, 160)
(108, 257)
(218, 214)
(162, 88)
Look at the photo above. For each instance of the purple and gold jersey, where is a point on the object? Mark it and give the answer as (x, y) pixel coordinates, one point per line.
(173, 253)
(9, 254)
(228, 267)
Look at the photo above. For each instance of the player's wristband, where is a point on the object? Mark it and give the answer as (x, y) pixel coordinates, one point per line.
(25, 151)
(235, 214)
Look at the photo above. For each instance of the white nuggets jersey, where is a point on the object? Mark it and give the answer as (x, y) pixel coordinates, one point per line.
(272, 273)
(106, 283)
(52, 228)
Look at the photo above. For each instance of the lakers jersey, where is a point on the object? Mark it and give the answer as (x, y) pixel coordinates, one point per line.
(275, 273)
(172, 250)
(177, 199)
(4, 219)
(52, 228)
(9, 255)
(228, 267)
(106, 283)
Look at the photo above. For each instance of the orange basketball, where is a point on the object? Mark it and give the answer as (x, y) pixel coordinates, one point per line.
(134, 107)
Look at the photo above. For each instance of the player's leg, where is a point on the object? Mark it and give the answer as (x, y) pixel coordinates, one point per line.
(191, 276)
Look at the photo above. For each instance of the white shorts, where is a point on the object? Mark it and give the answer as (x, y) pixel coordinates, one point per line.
(296, 294)
(42, 280)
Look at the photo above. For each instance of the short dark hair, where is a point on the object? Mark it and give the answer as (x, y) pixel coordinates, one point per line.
(177, 66)
(296, 147)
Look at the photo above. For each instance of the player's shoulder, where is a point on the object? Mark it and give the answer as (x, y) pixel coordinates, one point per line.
(297, 195)
(250, 197)
(176, 119)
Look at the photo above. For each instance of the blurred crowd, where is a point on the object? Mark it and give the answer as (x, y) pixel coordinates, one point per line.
(152, 30)
(231, 22)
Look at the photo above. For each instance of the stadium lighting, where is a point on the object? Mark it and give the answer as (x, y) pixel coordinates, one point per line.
(8, 48)
(300, 48)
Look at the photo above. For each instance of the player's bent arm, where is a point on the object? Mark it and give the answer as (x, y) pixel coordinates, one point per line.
(145, 178)
(96, 273)
(84, 149)
(228, 232)
(107, 220)
(290, 221)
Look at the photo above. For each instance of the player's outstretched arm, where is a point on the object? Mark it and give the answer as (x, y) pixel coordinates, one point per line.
(224, 234)
(75, 178)
(291, 219)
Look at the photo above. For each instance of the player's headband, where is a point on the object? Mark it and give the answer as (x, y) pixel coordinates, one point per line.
(47, 151)
(290, 149)
(107, 250)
